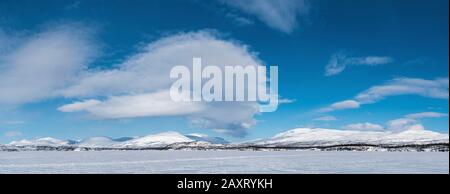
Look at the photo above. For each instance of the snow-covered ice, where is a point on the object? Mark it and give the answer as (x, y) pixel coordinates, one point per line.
(195, 161)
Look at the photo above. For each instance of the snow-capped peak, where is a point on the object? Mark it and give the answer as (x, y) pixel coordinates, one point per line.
(160, 139)
(99, 141)
(154, 140)
(293, 138)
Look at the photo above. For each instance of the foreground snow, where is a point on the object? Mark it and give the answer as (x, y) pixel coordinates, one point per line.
(223, 162)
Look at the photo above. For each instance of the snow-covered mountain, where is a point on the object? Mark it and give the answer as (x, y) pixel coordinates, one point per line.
(206, 138)
(99, 141)
(320, 136)
(46, 141)
(300, 138)
(156, 140)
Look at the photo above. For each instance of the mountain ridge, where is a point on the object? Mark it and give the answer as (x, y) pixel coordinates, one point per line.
(299, 138)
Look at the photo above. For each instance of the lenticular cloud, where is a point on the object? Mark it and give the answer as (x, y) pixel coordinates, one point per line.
(138, 87)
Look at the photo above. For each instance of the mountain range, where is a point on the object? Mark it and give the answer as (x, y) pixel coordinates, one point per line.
(300, 138)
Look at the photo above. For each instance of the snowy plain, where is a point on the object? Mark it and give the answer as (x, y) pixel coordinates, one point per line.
(196, 161)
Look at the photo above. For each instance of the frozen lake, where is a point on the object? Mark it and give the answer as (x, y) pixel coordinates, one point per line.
(223, 162)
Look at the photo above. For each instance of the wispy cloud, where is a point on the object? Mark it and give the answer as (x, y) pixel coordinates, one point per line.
(405, 123)
(340, 61)
(411, 121)
(239, 20)
(395, 125)
(437, 88)
(281, 14)
(10, 134)
(426, 115)
(286, 100)
(364, 127)
(346, 104)
(73, 5)
(326, 118)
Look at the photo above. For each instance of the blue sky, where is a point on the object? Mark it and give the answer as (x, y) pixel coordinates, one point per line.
(362, 65)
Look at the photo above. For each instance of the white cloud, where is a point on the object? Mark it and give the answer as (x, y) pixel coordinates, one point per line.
(234, 133)
(239, 20)
(404, 124)
(286, 101)
(148, 71)
(396, 125)
(340, 61)
(411, 122)
(137, 87)
(437, 88)
(364, 127)
(407, 123)
(10, 134)
(346, 104)
(282, 15)
(41, 64)
(54, 63)
(326, 118)
(426, 115)
(231, 118)
(132, 106)
(79, 106)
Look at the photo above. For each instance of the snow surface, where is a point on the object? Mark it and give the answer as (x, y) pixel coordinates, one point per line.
(223, 162)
